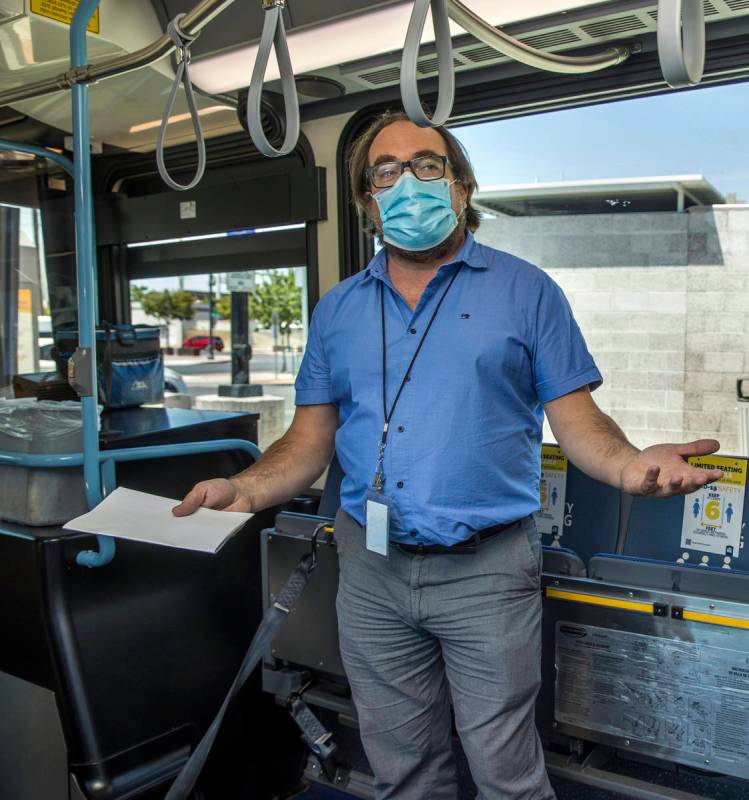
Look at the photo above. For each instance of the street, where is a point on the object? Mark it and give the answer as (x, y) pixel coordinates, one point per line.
(203, 375)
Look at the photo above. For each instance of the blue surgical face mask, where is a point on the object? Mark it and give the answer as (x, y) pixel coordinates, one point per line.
(416, 215)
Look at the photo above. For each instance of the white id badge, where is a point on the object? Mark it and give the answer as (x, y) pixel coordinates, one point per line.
(377, 511)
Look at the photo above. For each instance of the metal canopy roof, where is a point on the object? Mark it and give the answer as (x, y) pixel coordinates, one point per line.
(601, 196)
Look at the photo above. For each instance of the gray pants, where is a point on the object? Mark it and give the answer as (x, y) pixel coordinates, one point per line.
(416, 630)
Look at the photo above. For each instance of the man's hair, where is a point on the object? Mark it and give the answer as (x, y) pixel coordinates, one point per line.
(359, 161)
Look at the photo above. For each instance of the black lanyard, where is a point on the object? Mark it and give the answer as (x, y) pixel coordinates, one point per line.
(379, 478)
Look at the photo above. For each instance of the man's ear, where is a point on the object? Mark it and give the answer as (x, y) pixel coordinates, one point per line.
(373, 211)
(462, 192)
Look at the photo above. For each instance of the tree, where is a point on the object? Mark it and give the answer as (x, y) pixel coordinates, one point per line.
(168, 305)
(222, 306)
(281, 296)
(137, 292)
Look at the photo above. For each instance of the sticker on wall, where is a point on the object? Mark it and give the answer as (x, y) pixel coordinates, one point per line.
(62, 11)
(713, 514)
(188, 209)
(553, 489)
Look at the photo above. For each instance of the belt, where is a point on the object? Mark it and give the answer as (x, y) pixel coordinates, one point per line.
(466, 547)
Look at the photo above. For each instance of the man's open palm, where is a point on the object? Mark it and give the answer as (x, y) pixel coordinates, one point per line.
(662, 470)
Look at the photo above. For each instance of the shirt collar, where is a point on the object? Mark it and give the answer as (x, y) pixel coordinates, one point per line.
(470, 254)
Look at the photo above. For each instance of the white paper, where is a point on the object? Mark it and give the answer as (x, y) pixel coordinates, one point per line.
(143, 517)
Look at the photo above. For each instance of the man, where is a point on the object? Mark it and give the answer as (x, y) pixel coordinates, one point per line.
(430, 372)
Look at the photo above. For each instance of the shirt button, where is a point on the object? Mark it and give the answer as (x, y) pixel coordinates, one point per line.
(399, 484)
(412, 330)
(413, 533)
(401, 429)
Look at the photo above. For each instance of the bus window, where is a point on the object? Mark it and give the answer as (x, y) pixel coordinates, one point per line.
(638, 209)
(194, 313)
(25, 330)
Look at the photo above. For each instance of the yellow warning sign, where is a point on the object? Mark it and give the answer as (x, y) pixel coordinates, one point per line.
(552, 491)
(24, 301)
(553, 458)
(714, 514)
(734, 469)
(62, 11)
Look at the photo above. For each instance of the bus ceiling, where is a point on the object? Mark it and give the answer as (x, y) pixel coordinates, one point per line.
(321, 58)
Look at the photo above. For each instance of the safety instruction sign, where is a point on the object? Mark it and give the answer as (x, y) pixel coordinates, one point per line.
(685, 700)
(62, 11)
(553, 489)
(712, 515)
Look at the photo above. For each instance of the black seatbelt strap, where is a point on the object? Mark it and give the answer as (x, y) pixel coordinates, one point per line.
(318, 739)
(272, 621)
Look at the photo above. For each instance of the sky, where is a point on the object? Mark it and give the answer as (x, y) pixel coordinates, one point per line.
(702, 131)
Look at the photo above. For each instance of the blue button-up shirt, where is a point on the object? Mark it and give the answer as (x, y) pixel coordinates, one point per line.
(464, 443)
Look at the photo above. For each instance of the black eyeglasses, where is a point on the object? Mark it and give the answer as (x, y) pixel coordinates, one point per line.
(425, 168)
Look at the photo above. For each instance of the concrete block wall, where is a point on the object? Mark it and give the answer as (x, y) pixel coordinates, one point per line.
(666, 320)
(718, 322)
(634, 321)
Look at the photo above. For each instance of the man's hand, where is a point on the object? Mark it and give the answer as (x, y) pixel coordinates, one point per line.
(220, 493)
(662, 470)
(289, 466)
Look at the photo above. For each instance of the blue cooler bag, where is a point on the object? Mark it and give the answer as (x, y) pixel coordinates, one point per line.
(130, 365)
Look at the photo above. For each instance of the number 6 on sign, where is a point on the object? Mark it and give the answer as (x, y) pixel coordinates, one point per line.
(713, 512)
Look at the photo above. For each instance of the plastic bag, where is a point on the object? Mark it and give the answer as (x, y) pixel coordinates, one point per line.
(41, 426)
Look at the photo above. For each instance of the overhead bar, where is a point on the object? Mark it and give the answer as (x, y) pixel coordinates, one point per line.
(525, 54)
(274, 35)
(681, 41)
(192, 23)
(442, 12)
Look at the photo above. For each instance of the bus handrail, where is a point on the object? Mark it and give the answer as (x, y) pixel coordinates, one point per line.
(42, 152)
(107, 460)
(541, 59)
(85, 257)
(499, 40)
(194, 21)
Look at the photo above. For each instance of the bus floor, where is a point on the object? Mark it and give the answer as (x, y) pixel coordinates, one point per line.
(663, 778)
(706, 786)
(566, 790)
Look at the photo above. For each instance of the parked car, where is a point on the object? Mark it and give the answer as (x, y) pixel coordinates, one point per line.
(174, 382)
(201, 342)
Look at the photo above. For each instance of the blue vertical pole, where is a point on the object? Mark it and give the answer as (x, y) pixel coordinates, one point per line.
(86, 271)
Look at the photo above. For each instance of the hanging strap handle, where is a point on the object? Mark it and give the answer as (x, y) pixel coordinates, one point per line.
(681, 41)
(182, 42)
(409, 64)
(274, 34)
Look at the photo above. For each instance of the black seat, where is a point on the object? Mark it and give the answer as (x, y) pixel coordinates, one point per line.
(654, 531)
(587, 521)
(331, 494)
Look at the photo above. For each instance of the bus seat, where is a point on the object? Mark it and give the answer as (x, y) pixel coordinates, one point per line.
(654, 531)
(561, 561)
(331, 493)
(591, 517)
(669, 577)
